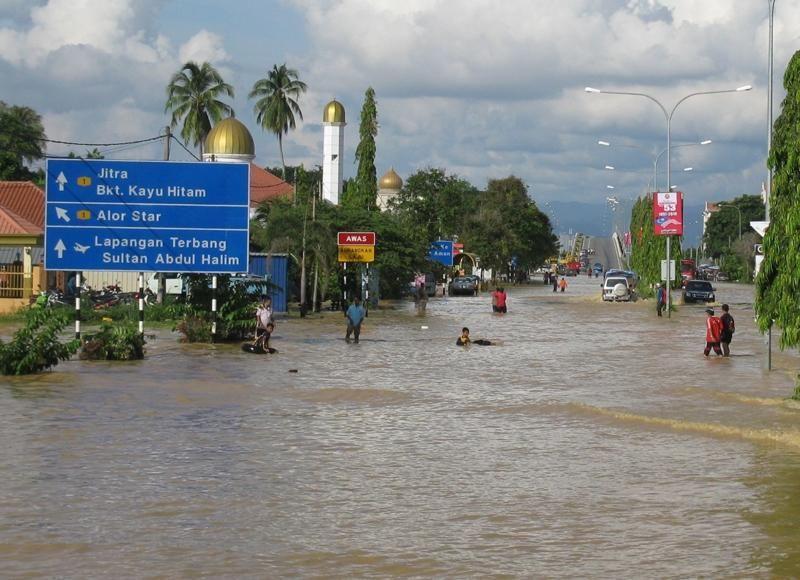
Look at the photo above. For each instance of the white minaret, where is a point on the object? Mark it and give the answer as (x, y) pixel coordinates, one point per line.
(333, 123)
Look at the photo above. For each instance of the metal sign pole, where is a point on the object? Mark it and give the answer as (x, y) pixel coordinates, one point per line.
(366, 294)
(78, 284)
(213, 308)
(141, 303)
(344, 288)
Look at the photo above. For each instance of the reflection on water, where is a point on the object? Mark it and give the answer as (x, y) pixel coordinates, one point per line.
(594, 441)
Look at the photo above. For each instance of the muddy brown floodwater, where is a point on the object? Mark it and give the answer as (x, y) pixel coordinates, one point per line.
(593, 441)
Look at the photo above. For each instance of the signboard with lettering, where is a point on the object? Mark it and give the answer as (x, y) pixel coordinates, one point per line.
(357, 254)
(356, 238)
(147, 216)
(441, 251)
(668, 213)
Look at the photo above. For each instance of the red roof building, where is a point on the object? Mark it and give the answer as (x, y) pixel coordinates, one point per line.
(25, 199)
(265, 186)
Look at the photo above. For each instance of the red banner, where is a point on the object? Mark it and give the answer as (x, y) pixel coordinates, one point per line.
(356, 238)
(668, 213)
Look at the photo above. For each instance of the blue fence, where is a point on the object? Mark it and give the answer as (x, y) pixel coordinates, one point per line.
(275, 269)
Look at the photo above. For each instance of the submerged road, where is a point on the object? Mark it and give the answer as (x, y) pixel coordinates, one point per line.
(604, 252)
(594, 440)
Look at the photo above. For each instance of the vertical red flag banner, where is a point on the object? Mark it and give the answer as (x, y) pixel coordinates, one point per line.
(668, 213)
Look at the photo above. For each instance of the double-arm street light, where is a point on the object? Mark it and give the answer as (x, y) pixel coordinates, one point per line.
(657, 157)
(668, 117)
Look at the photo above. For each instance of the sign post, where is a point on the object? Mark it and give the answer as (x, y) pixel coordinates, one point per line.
(147, 216)
(356, 247)
(441, 251)
(668, 221)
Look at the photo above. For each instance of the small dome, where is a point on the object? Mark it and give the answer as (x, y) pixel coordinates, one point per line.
(333, 112)
(229, 137)
(390, 180)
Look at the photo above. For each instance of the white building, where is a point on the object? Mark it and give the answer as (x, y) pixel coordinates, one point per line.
(333, 122)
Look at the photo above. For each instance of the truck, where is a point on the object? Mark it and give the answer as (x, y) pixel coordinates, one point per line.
(688, 271)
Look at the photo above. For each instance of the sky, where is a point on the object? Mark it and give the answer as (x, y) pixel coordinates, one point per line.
(481, 88)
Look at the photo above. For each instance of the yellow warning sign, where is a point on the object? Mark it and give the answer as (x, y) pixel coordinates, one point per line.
(357, 254)
(84, 214)
(84, 181)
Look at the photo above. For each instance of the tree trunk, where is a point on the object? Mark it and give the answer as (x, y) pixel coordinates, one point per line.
(283, 161)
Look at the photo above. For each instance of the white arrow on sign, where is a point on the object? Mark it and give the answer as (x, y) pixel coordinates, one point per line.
(60, 248)
(61, 180)
(61, 213)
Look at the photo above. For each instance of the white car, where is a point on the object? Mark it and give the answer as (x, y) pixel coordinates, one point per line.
(616, 289)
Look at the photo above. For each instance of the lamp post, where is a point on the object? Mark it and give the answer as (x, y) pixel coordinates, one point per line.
(657, 157)
(737, 208)
(771, 6)
(668, 117)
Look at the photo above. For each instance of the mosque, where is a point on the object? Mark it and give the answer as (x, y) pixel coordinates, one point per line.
(230, 142)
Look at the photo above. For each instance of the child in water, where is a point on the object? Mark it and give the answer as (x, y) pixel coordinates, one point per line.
(464, 339)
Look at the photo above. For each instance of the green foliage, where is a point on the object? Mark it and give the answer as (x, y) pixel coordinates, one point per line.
(507, 224)
(36, 346)
(277, 104)
(647, 249)
(778, 282)
(722, 228)
(93, 154)
(193, 95)
(113, 343)
(363, 192)
(21, 141)
(194, 328)
(236, 308)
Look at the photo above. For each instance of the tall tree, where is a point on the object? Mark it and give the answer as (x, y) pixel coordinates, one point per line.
(277, 105)
(722, 228)
(364, 191)
(22, 140)
(779, 278)
(193, 96)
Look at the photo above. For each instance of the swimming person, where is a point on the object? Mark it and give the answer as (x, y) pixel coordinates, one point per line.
(465, 340)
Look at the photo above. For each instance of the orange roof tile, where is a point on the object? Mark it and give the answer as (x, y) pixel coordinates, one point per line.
(12, 223)
(264, 185)
(25, 199)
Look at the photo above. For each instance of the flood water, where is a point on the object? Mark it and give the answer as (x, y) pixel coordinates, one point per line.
(594, 441)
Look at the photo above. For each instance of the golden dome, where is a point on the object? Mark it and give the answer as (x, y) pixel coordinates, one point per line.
(333, 112)
(390, 180)
(229, 137)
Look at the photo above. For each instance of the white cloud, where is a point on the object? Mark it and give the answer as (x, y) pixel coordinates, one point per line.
(203, 46)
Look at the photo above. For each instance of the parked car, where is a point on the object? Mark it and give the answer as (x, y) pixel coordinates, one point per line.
(616, 289)
(598, 267)
(698, 291)
(464, 285)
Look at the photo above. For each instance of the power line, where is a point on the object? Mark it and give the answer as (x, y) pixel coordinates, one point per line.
(178, 141)
(102, 144)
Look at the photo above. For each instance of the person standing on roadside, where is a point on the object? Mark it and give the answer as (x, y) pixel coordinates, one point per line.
(713, 333)
(355, 315)
(728, 328)
(661, 299)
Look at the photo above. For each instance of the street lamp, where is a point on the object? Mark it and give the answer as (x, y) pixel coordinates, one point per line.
(740, 215)
(668, 117)
(771, 6)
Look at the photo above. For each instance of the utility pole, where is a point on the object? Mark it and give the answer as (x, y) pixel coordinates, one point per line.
(162, 282)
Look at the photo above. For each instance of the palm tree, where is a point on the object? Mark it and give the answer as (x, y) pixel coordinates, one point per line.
(192, 95)
(277, 105)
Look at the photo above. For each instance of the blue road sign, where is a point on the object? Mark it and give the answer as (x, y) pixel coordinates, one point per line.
(147, 216)
(441, 251)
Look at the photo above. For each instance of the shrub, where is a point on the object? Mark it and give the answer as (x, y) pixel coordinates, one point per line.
(36, 346)
(194, 329)
(113, 343)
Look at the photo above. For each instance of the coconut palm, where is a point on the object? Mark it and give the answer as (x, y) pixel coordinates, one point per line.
(277, 105)
(193, 95)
